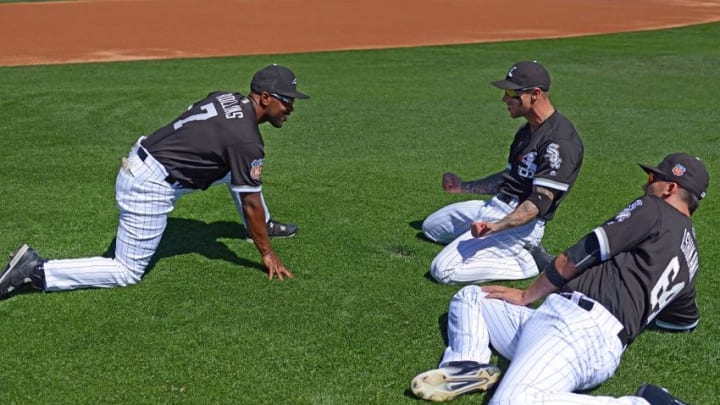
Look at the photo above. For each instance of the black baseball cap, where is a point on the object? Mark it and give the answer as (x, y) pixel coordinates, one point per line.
(276, 79)
(687, 171)
(525, 75)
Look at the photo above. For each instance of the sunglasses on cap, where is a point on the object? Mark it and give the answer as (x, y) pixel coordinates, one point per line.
(286, 100)
(655, 177)
(517, 92)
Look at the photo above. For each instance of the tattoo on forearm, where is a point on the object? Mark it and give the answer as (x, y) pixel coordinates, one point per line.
(488, 185)
(524, 213)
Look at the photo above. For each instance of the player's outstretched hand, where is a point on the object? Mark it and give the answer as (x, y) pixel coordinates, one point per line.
(511, 295)
(275, 267)
(451, 183)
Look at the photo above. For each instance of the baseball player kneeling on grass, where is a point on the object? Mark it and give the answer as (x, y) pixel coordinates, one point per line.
(498, 239)
(636, 269)
(216, 141)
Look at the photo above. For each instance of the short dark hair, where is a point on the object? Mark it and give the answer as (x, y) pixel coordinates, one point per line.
(690, 199)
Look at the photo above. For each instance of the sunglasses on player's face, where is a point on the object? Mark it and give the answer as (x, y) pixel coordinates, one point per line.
(516, 93)
(283, 99)
(654, 177)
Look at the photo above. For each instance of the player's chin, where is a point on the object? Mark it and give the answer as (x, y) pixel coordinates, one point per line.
(278, 123)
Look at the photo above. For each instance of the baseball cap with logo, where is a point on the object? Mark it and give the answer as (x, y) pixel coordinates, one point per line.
(687, 171)
(525, 75)
(276, 79)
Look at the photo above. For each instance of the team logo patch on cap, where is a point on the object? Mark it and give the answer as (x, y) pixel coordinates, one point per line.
(256, 169)
(678, 170)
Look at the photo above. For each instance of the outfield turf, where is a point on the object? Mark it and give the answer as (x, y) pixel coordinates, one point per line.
(357, 167)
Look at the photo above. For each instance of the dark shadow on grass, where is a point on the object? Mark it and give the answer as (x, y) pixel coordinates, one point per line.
(184, 236)
(420, 235)
(417, 224)
(192, 236)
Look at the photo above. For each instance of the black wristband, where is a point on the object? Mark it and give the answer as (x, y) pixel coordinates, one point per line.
(552, 274)
(541, 201)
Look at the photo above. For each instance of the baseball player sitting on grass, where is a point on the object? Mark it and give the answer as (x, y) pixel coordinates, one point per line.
(634, 270)
(497, 239)
(216, 140)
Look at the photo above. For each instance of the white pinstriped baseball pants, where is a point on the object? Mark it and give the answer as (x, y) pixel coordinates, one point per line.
(467, 259)
(144, 200)
(553, 350)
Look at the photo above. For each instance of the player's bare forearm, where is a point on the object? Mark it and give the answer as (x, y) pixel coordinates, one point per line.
(488, 185)
(255, 217)
(539, 289)
(524, 213)
(254, 213)
(542, 286)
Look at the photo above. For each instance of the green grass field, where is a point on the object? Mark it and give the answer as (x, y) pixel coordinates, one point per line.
(357, 167)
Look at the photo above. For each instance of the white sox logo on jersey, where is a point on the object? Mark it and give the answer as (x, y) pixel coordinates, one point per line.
(256, 169)
(626, 212)
(527, 166)
(552, 154)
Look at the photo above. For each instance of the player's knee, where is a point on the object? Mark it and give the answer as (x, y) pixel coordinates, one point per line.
(441, 274)
(128, 278)
(130, 274)
(470, 293)
(134, 278)
(429, 231)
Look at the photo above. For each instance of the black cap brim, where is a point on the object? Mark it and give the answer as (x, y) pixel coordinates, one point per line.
(650, 169)
(295, 94)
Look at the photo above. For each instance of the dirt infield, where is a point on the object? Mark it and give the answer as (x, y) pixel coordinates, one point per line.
(112, 30)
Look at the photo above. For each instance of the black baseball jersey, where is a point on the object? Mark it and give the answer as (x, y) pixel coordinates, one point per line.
(550, 157)
(650, 259)
(216, 135)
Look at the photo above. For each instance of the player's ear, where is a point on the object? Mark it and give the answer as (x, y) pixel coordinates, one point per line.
(535, 93)
(671, 188)
(265, 99)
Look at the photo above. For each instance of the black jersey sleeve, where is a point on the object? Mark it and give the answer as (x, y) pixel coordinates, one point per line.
(635, 223)
(246, 165)
(560, 155)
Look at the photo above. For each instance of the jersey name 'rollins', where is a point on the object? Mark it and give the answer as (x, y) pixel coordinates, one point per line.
(230, 105)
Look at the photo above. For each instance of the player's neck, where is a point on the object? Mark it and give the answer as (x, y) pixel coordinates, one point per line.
(678, 204)
(259, 111)
(539, 115)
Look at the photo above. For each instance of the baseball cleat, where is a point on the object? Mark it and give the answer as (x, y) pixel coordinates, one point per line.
(278, 230)
(19, 270)
(657, 396)
(453, 380)
(541, 256)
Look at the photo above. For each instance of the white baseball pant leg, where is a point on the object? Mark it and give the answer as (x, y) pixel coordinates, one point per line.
(451, 221)
(467, 259)
(238, 204)
(554, 350)
(144, 199)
